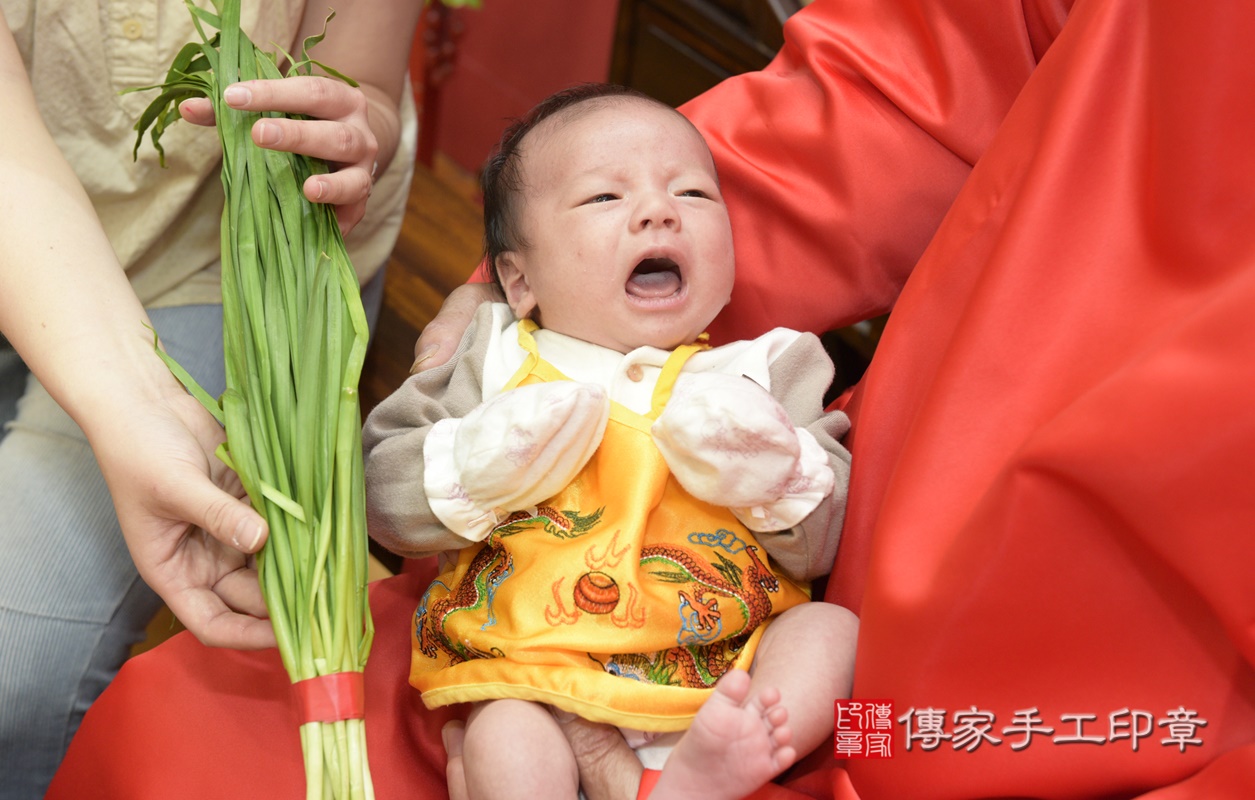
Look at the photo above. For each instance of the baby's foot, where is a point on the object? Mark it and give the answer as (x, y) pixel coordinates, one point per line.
(735, 745)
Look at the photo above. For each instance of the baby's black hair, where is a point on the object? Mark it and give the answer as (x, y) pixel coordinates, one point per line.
(502, 177)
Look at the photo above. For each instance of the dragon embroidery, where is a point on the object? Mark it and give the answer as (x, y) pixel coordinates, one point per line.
(703, 652)
(563, 524)
(490, 567)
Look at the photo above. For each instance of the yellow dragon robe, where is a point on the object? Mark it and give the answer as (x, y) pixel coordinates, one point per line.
(621, 599)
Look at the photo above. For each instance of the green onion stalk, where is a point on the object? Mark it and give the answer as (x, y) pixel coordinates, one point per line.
(294, 336)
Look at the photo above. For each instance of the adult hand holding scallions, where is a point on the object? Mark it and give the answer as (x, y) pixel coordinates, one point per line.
(156, 454)
(334, 128)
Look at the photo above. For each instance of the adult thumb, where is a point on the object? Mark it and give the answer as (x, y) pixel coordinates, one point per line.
(227, 518)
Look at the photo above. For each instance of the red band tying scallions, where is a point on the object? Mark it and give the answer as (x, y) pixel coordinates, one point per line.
(331, 698)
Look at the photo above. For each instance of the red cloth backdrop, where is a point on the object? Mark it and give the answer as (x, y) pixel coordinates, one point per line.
(190, 722)
(1052, 502)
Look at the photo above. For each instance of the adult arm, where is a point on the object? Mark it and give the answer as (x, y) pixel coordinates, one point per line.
(67, 308)
(839, 160)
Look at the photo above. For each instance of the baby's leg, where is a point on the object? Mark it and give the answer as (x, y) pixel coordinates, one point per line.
(808, 654)
(513, 748)
(754, 727)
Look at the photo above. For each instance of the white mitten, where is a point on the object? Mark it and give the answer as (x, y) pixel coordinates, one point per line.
(519, 448)
(730, 443)
(727, 440)
(525, 445)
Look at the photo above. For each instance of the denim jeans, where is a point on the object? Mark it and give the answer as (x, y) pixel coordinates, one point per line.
(71, 601)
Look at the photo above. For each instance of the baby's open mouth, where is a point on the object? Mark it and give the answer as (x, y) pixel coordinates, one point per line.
(654, 277)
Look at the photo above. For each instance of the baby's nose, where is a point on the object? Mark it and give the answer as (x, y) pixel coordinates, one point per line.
(657, 210)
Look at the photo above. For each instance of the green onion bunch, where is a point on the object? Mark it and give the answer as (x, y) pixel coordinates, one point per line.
(294, 335)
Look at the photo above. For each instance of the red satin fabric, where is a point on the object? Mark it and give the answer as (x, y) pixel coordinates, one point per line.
(1052, 498)
(195, 723)
(1052, 502)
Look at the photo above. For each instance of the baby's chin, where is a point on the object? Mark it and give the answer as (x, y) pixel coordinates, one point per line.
(624, 338)
(665, 328)
(661, 340)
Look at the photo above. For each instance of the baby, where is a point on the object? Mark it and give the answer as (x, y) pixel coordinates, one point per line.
(627, 516)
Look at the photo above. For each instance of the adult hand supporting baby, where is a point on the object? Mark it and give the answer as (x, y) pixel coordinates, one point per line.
(440, 337)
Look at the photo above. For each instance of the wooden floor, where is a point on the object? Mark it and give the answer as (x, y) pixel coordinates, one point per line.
(440, 244)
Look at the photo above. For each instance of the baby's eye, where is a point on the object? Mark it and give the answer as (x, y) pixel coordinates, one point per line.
(601, 198)
(692, 193)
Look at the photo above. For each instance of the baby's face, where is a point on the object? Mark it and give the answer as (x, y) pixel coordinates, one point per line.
(628, 240)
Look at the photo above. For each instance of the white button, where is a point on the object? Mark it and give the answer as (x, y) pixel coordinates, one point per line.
(132, 29)
(635, 373)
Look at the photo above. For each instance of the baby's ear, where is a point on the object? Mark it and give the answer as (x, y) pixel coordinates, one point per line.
(518, 293)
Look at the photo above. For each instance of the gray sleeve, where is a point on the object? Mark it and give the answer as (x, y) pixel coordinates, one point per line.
(799, 378)
(397, 513)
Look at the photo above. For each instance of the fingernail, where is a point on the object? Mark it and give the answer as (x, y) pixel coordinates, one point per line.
(237, 95)
(320, 189)
(267, 133)
(247, 535)
(427, 353)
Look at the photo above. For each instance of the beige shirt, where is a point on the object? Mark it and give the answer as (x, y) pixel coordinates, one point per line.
(163, 223)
